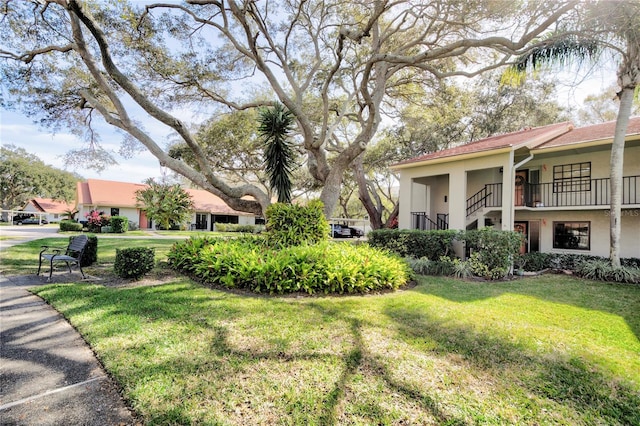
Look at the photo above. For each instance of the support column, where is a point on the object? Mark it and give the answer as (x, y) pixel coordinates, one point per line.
(458, 199)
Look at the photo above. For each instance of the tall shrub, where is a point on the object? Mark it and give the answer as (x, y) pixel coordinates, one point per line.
(493, 251)
(119, 224)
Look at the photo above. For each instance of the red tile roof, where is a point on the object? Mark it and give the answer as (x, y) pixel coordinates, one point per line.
(524, 137)
(96, 192)
(204, 201)
(595, 132)
(48, 205)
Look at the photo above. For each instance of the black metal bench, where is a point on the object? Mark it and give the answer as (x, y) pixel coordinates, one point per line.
(71, 255)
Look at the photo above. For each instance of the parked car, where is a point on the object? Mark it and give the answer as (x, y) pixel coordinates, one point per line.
(339, 231)
(356, 232)
(31, 221)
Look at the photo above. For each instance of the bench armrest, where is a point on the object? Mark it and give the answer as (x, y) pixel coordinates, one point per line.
(55, 250)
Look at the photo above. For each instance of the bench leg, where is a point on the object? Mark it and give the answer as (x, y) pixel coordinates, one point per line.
(39, 266)
(50, 270)
(81, 271)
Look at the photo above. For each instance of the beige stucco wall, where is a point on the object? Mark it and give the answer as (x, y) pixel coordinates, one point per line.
(600, 161)
(458, 180)
(630, 242)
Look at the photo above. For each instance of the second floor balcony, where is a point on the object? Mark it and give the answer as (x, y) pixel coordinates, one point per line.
(578, 193)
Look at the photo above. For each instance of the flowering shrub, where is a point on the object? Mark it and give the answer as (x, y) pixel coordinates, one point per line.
(96, 220)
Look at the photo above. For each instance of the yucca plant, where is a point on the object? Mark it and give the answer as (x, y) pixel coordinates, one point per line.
(279, 153)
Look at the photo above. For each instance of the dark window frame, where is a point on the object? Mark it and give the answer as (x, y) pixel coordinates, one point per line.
(574, 177)
(572, 236)
(115, 211)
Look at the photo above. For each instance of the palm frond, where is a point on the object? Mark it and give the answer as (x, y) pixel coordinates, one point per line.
(552, 52)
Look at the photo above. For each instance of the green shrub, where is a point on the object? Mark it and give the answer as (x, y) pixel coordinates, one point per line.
(414, 243)
(185, 254)
(445, 266)
(134, 262)
(119, 224)
(234, 227)
(292, 225)
(325, 267)
(90, 254)
(221, 227)
(70, 226)
(602, 270)
(625, 274)
(493, 251)
(630, 262)
(536, 261)
(461, 268)
(420, 266)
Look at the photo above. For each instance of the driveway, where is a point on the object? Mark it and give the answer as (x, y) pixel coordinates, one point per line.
(14, 234)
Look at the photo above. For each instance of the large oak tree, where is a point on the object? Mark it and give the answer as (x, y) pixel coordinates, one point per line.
(338, 66)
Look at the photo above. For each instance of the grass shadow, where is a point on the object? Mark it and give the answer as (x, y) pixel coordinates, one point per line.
(566, 381)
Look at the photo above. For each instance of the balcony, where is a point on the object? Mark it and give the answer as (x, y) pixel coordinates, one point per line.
(593, 192)
(583, 193)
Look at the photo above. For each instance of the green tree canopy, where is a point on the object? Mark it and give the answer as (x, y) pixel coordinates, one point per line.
(168, 204)
(452, 115)
(24, 176)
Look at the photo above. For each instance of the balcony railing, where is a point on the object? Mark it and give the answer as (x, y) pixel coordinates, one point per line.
(489, 196)
(594, 192)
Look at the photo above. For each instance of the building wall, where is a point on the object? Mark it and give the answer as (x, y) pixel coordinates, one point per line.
(130, 213)
(600, 160)
(458, 180)
(599, 225)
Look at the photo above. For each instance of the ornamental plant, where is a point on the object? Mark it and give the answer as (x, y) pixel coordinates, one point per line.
(96, 220)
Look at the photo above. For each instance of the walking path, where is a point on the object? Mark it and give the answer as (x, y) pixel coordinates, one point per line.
(48, 374)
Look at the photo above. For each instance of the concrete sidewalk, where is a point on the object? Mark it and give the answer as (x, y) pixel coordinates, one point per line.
(48, 374)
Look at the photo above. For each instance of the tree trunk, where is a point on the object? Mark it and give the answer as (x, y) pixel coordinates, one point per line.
(617, 158)
(375, 214)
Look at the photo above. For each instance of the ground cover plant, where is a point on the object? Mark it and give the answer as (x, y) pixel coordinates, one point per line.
(324, 267)
(541, 350)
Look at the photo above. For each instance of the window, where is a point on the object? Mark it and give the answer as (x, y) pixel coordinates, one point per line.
(115, 211)
(201, 220)
(221, 218)
(572, 235)
(572, 177)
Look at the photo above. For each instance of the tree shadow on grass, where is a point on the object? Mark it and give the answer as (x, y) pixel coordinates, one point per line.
(360, 356)
(565, 381)
(622, 300)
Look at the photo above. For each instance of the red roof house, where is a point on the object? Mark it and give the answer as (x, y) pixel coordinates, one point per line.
(119, 199)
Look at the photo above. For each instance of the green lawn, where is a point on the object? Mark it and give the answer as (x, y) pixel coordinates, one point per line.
(543, 350)
(22, 259)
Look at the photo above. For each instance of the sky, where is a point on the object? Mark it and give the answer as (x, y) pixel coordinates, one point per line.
(51, 147)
